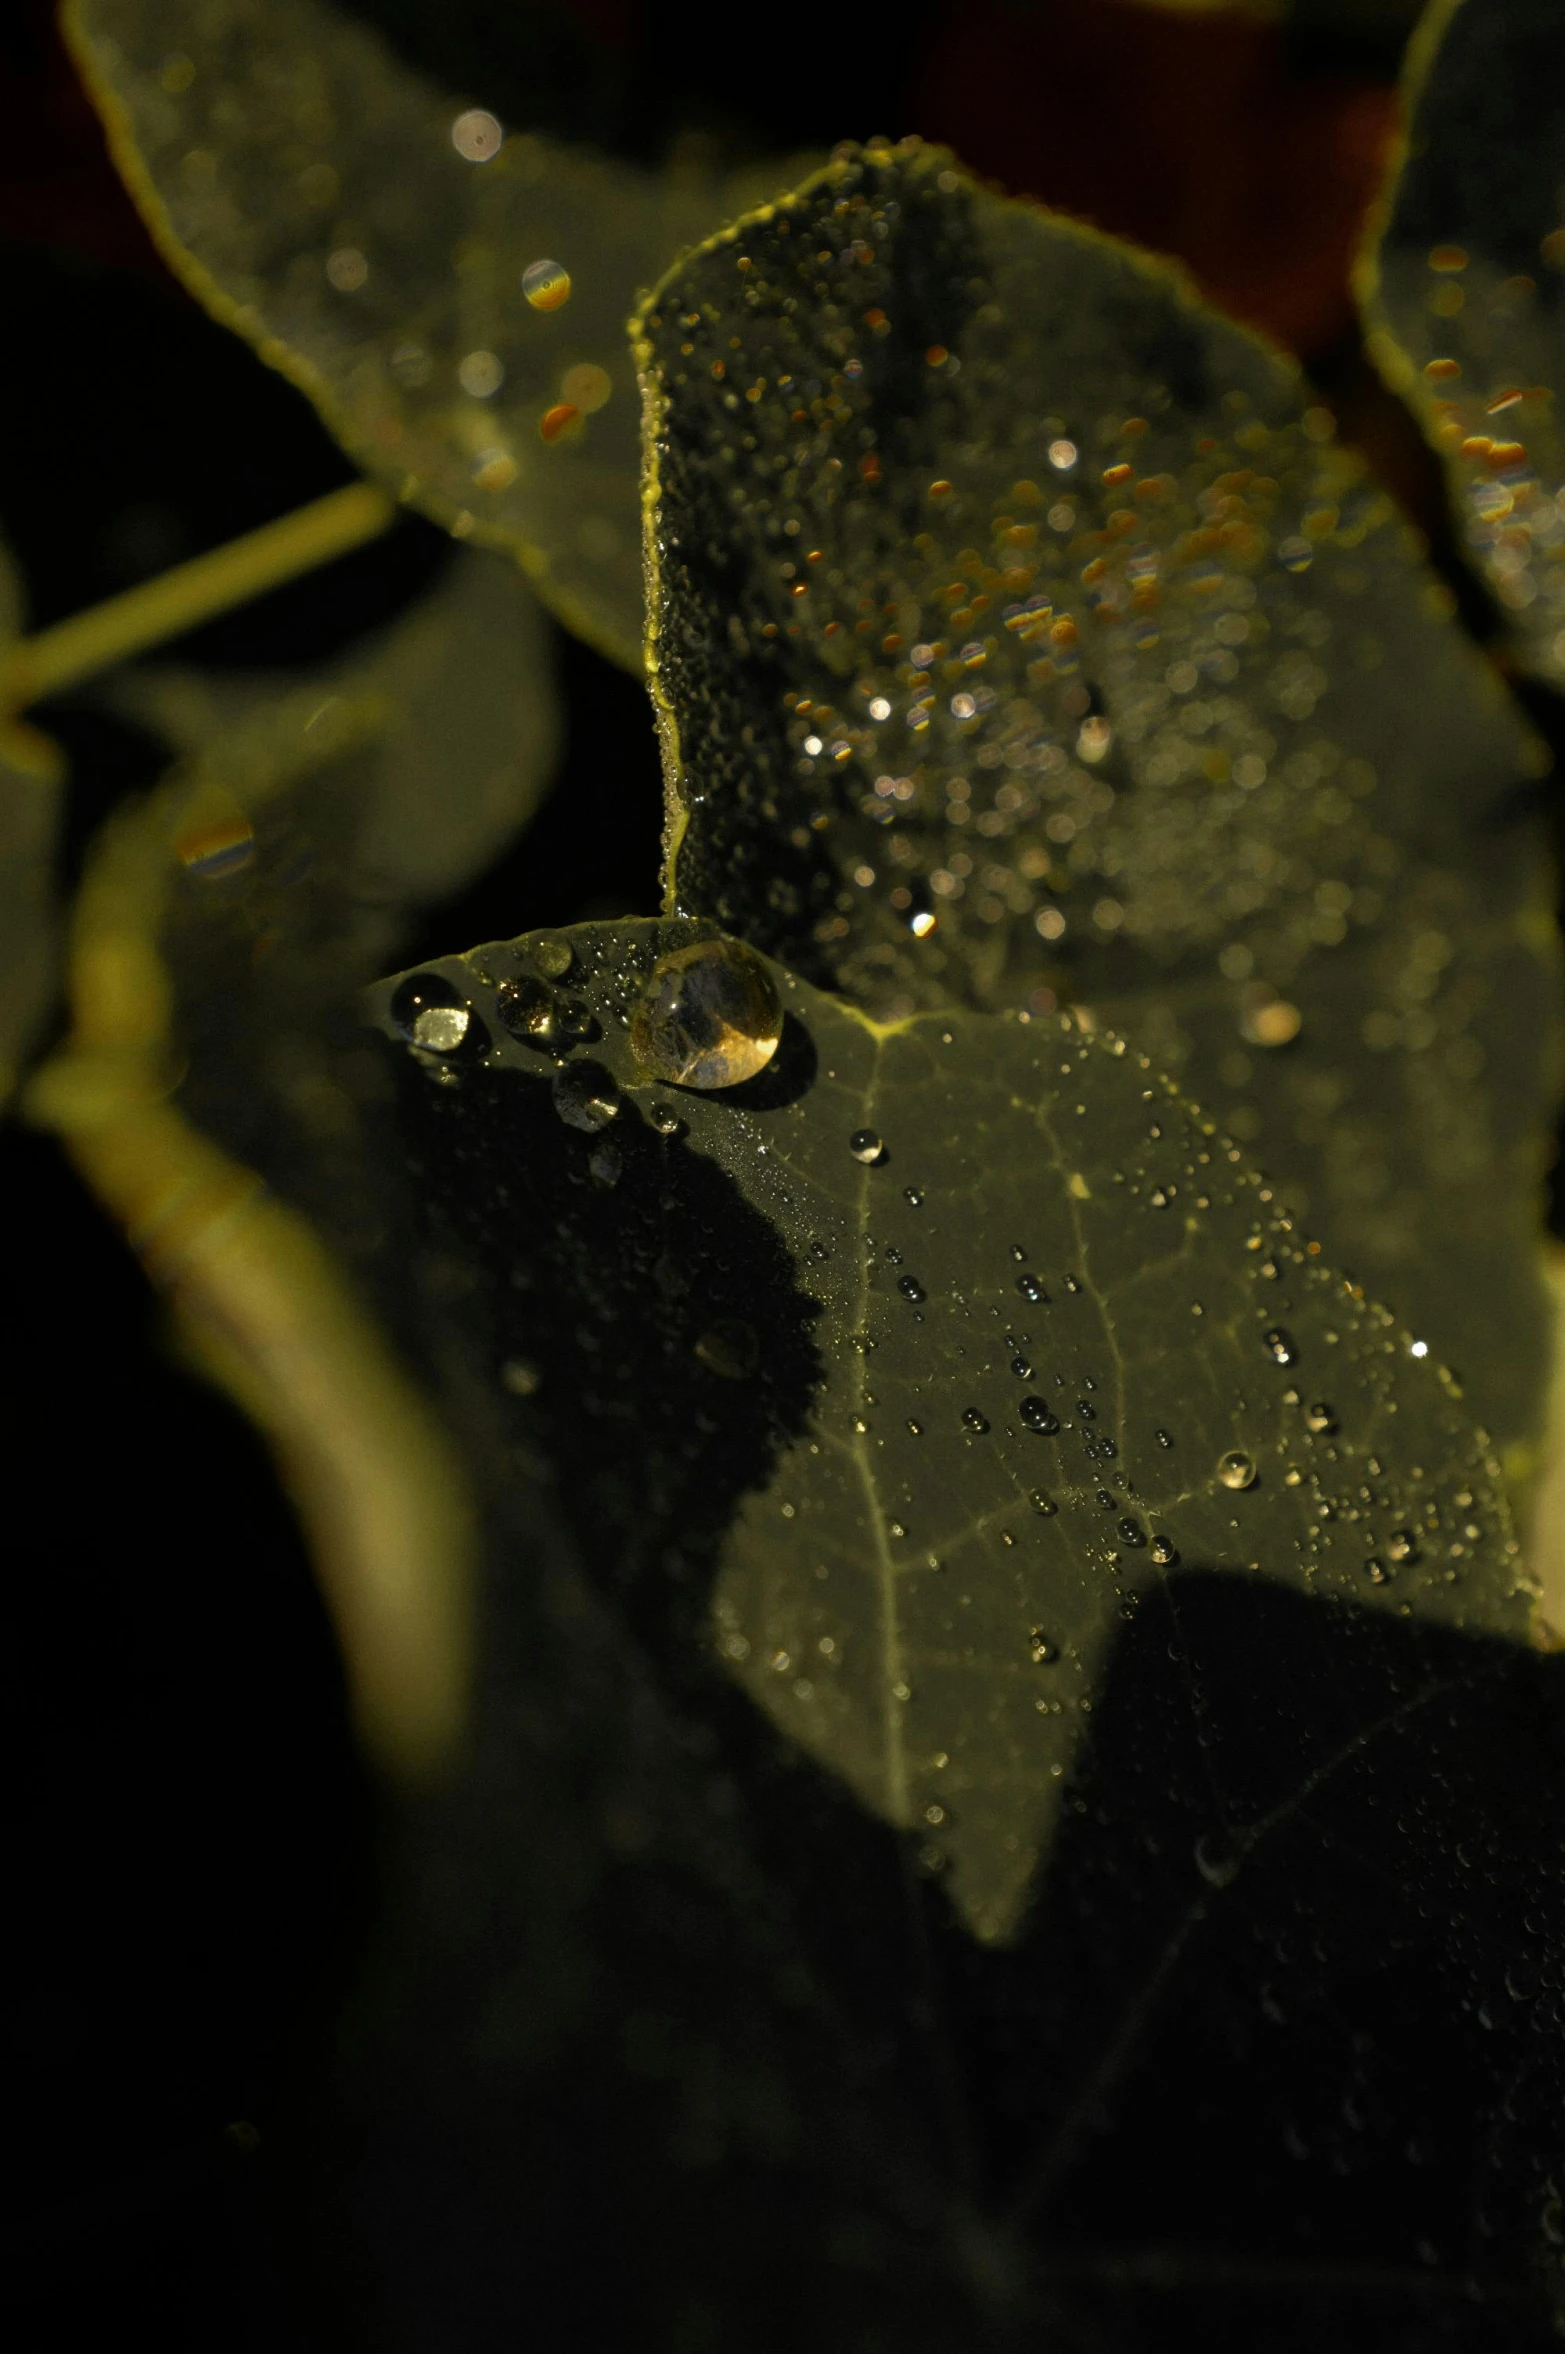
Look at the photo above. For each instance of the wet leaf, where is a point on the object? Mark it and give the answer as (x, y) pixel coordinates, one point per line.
(1021, 637)
(645, 1934)
(32, 776)
(451, 299)
(1465, 296)
(458, 702)
(1047, 1339)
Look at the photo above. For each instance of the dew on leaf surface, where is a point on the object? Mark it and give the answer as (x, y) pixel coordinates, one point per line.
(1236, 1469)
(551, 954)
(585, 1096)
(1037, 1415)
(1279, 1346)
(866, 1146)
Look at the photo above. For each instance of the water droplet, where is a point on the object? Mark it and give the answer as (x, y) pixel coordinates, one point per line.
(1021, 1369)
(913, 1197)
(1161, 1196)
(520, 1378)
(421, 993)
(915, 1429)
(1035, 1413)
(910, 1287)
(1279, 1346)
(441, 1029)
(729, 1348)
(1040, 1650)
(866, 1146)
(527, 1008)
(549, 953)
(585, 1096)
(1164, 1438)
(1377, 1572)
(1132, 1531)
(709, 1016)
(606, 1164)
(1164, 1552)
(1086, 1409)
(546, 285)
(1044, 1503)
(973, 1420)
(1236, 1470)
(1031, 1289)
(1402, 1545)
(1319, 1418)
(1018, 1254)
(664, 1119)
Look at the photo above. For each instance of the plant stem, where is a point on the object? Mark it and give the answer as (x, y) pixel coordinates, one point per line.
(192, 593)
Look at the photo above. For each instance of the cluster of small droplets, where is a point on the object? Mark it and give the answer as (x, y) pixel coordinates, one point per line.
(1074, 696)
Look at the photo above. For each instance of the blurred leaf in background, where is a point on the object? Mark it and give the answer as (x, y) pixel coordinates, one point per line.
(1464, 290)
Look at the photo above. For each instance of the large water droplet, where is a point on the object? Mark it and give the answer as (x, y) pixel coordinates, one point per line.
(1021, 1369)
(1279, 1346)
(973, 1420)
(1236, 1470)
(709, 1016)
(664, 1119)
(910, 1287)
(585, 1096)
(1164, 1551)
(419, 994)
(866, 1146)
(1036, 1414)
(1132, 1531)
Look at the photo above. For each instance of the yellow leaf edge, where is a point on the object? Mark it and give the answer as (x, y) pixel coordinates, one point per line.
(262, 1306)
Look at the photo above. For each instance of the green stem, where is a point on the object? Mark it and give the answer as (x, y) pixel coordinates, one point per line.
(192, 593)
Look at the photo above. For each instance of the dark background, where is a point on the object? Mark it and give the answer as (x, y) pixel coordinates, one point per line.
(192, 1835)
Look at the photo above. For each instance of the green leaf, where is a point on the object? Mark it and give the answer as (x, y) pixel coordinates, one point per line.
(1464, 295)
(1021, 637)
(458, 702)
(917, 1584)
(641, 1942)
(370, 236)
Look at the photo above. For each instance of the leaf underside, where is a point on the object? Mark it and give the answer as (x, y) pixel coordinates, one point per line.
(1021, 638)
